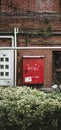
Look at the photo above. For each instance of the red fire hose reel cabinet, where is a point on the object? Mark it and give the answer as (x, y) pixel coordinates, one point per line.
(33, 69)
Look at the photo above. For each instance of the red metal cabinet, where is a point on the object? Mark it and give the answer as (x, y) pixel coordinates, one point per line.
(33, 70)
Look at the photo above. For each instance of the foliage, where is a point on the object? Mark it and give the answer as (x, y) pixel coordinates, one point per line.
(45, 32)
(23, 108)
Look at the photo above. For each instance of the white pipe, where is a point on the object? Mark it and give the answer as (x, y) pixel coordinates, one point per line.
(12, 41)
(15, 45)
(6, 36)
(28, 48)
(15, 53)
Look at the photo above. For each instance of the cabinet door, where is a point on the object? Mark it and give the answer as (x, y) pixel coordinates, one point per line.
(6, 67)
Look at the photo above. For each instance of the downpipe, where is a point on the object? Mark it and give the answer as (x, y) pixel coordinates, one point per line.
(16, 30)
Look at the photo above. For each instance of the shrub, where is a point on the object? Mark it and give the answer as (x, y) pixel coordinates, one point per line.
(22, 108)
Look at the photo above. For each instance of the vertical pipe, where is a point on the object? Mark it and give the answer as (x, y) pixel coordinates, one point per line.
(15, 51)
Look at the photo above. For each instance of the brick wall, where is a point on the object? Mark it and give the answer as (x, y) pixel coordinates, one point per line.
(5, 42)
(39, 41)
(49, 5)
(17, 5)
(31, 5)
(11, 22)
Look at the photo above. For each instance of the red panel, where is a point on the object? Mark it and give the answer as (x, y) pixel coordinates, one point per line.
(33, 70)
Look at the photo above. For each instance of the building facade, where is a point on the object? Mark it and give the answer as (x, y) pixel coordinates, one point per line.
(29, 29)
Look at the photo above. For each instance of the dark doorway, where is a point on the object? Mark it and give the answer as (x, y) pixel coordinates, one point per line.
(57, 67)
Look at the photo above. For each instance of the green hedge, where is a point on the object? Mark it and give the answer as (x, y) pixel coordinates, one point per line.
(22, 108)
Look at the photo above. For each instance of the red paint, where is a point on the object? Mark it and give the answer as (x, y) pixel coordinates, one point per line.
(33, 70)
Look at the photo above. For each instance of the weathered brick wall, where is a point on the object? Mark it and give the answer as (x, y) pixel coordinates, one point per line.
(11, 22)
(31, 5)
(5, 42)
(39, 41)
(17, 5)
(49, 5)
